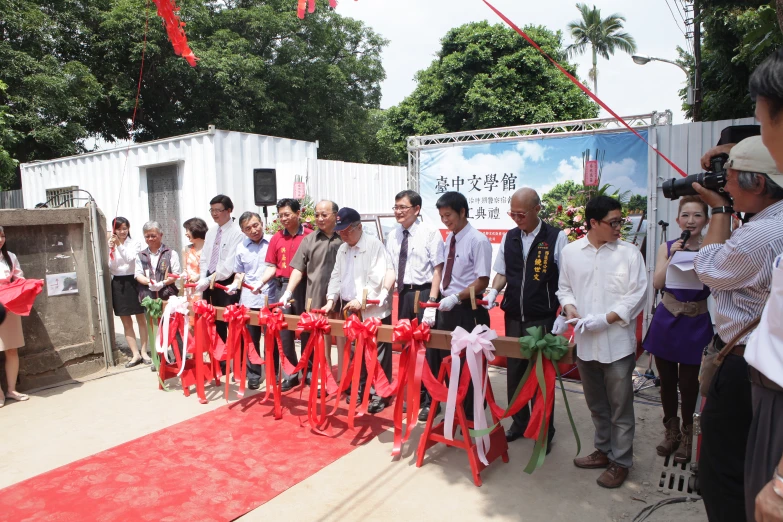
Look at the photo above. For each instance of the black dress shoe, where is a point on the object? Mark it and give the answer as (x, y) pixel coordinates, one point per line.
(425, 413)
(289, 383)
(359, 397)
(254, 384)
(132, 363)
(512, 435)
(376, 405)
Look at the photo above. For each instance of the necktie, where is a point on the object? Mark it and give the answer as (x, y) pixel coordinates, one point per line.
(450, 262)
(213, 257)
(403, 261)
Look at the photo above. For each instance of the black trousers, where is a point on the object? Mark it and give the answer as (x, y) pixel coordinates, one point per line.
(515, 370)
(218, 297)
(725, 424)
(765, 443)
(297, 308)
(405, 303)
(255, 372)
(461, 315)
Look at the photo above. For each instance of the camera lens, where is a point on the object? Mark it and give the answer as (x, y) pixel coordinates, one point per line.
(676, 188)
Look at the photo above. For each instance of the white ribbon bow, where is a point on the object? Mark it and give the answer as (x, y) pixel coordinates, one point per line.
(175, 305)
(477, 346)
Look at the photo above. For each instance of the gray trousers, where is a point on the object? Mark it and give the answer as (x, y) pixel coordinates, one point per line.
(765, 443)
(609, 394)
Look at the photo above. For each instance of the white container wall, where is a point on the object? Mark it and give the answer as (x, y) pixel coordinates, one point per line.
(207, 163)
(369, 189)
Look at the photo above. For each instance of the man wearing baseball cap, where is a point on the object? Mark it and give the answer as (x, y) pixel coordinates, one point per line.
(738, 269)
(362, 263)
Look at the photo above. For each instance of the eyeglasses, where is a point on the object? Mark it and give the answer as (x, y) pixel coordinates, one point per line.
(401, 208)
(350, 228)
(285, 216)
(215, 211)
(615, 223)
(520, 215)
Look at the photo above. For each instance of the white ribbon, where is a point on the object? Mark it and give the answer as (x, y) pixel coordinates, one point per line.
(477, 345)
(175, 305)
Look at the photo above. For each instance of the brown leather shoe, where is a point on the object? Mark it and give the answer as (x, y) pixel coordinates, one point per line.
(671, 437)
(595, 460)
(613, 477)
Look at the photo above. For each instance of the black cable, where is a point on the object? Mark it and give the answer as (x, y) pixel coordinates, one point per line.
(645, 513)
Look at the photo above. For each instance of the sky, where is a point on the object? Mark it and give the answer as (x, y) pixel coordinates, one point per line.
(415, 27)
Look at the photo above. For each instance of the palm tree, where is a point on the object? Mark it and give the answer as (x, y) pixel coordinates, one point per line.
(603, 35)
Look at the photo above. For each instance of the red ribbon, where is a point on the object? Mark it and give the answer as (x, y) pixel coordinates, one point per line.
(409, 375)
(579, 84)
(274, 322)
(366, 336)
(319, 326)
(167, 10)
(237, 317)
(530, 390)
(206, 341)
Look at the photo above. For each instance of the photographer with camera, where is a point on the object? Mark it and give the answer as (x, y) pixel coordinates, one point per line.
(738, 269)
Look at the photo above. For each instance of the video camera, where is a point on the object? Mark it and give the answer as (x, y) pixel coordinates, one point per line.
(715, 179)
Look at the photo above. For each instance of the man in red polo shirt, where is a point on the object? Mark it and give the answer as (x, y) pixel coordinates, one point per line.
(282, 248)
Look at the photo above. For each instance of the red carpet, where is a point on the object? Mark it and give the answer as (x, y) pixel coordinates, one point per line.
(217, 466)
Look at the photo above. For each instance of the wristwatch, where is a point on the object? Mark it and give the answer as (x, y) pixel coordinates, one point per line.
(433, 299)
(726, 209)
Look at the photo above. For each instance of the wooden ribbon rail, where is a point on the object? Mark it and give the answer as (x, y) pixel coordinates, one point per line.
(441, 339)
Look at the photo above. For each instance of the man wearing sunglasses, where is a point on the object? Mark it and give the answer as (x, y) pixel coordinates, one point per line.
(527, 266)
(602, 287)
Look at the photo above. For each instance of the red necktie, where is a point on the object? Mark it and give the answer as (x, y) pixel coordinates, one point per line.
(450, 262)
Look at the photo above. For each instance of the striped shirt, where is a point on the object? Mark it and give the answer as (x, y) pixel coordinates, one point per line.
(739, 272)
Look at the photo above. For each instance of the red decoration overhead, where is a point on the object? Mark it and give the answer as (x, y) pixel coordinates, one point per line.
(309, 5)
(168, 10)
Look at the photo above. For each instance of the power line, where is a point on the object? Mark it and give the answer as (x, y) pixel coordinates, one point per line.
(671, 11)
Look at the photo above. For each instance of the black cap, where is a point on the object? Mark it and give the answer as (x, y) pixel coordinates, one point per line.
(346, 217)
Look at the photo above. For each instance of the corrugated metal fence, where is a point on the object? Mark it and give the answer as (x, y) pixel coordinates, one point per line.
(11, 199)
(370, 189)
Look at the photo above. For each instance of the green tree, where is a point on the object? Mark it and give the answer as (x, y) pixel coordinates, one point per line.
(486, 76)
(7, 139)
(564, 194)
(603, 35)
(637, 203)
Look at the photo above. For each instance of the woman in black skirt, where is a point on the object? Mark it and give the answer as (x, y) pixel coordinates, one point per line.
(124, 292)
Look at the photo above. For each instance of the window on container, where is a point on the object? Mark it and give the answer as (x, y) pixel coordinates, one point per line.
(60, 197)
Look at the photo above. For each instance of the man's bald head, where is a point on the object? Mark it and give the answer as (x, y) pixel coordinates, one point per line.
(525, 205)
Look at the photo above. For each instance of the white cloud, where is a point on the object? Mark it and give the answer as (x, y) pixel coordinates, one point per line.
(621, 175)
(570, 169)
(532, 150)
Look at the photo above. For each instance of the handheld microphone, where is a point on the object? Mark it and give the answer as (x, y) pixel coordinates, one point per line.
(685, 236)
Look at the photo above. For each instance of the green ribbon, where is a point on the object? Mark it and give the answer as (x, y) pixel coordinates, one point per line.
(153, 312)
(536, 346)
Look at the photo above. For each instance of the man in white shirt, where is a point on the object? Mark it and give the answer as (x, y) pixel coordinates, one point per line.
(362, 263)
(468, 263)
(250, 256)
(415, 250)
(527, 266)
(218, 257)
(601, 288)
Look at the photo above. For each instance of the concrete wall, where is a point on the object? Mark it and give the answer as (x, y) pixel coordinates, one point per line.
(62, 334)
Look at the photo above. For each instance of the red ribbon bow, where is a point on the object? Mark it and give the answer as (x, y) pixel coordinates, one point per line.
(319, 326)
(274, 322)
(207, 340)
(412, 361)
(237, 317)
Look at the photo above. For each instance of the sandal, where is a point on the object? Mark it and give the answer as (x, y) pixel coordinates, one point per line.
(16, 396)
(133, 362)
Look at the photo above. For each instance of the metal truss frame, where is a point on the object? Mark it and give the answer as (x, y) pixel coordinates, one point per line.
(525, 132)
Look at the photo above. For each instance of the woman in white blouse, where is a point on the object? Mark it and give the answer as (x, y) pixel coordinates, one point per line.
(11, 337)
(124, 291)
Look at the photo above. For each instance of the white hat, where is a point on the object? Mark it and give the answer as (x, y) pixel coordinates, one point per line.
(750, 155)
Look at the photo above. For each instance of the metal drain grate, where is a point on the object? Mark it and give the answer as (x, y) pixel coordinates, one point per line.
(678, 479)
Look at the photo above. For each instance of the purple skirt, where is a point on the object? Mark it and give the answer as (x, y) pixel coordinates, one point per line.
(678, 339)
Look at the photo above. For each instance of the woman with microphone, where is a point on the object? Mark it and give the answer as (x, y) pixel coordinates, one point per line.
(680, 329)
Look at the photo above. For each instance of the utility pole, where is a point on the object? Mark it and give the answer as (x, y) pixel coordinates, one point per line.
(697, 96)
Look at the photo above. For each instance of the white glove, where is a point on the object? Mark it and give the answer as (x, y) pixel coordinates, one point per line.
(261, 288)
(155, 287)
(561, 326)
(592, 323)
(286, 297)
(490, 298)
(382, 298)
(449, 303)
(429, 316)
(202, 284)
(232, 288)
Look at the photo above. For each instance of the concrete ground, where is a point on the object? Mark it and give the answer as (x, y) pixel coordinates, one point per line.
(60, 425)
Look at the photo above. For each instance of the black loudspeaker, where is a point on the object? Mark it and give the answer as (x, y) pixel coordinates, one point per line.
(265, 187)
